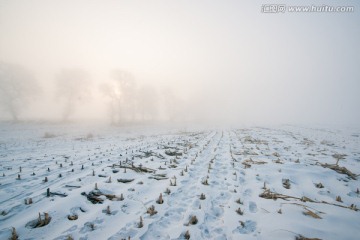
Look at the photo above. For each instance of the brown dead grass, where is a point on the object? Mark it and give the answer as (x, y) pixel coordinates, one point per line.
(341, 170)
(312, 214)
(301, 237)
(267, 194)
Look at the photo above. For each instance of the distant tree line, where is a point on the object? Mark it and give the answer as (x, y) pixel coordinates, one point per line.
(126, 100)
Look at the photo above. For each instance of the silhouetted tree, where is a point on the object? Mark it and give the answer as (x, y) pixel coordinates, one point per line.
(126, 87)
(17, 88)
(110, 92)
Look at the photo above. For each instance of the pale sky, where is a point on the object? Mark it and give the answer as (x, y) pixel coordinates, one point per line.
(225, 60)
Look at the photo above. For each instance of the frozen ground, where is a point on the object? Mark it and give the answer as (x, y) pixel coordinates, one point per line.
(258, 183)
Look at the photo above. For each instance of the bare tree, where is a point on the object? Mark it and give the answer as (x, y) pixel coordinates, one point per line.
(111, 92)
(127, 100)
(73, 85)
(121, 92)
(126, 87)
(17, 88)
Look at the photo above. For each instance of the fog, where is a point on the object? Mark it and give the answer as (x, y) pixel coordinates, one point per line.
(181, 61)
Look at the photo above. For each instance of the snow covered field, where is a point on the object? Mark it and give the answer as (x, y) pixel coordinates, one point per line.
(253, 183)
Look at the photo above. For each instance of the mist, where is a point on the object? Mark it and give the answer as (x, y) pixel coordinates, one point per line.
(17, 88)
(73, 86)
(179, 61)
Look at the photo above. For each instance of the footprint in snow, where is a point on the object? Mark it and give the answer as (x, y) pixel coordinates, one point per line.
(241, 180)
(204, 231)
(154, 233)
(124, 232)
(196, 204)
(253, 207)
(214, 183)
(223, 197)
(175, 215)
(217, 211)
(248, 192)
(71, 229)
(218, 230)
(184, 181)
(248, 227)
(209, 218)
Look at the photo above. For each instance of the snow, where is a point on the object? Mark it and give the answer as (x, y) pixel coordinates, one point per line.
(287, 152)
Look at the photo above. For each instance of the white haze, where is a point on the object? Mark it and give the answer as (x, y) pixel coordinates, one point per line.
(214, 61)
